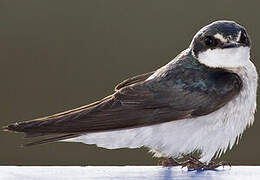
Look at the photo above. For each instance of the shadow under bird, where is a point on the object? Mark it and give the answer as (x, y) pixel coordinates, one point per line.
(200, 101)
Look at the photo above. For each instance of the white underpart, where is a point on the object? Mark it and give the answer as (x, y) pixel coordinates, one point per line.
(225, 58)
(211, 134)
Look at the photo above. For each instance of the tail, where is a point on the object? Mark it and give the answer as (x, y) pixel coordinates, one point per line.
(51, 140)
(58, 125)
(16, 127)
(26, 127)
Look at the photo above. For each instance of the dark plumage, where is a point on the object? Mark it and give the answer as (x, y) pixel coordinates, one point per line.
(185, 89)
(226, 29)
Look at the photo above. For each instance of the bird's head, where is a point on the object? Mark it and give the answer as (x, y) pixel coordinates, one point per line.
(222, 44)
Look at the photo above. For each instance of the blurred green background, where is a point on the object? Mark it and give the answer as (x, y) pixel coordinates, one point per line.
(60, 54)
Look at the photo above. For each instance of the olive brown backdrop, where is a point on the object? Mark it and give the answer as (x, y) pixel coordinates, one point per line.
(60, 54)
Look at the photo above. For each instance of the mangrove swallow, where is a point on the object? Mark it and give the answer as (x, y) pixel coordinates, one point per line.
(201, 101)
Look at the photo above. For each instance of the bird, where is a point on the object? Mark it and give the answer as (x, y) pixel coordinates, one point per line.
(201, 101)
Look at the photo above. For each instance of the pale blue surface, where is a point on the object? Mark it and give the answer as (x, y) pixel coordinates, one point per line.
(125, 172)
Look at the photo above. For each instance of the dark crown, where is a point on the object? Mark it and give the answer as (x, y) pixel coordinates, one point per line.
(220, 34)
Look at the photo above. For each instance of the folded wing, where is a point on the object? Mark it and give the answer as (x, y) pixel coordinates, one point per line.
(181, 92)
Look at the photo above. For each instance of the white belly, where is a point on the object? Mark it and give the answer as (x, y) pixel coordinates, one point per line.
(211, 135)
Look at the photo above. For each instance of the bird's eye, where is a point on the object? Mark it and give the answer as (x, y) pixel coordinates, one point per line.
(209, 41)
(243, 38)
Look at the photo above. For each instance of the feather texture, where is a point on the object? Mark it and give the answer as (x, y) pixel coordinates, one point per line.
(185, 89)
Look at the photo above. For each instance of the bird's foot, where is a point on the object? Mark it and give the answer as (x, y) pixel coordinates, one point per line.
(214, 165)
(168, 162)
(194, 164)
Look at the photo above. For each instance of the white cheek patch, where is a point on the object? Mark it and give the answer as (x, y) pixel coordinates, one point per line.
(225, 58)
(220, 37)
(238, 36)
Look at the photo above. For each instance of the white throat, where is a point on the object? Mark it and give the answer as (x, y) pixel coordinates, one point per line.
(225, 58)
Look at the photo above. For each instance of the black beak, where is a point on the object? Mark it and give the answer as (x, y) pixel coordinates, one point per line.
(231, 44)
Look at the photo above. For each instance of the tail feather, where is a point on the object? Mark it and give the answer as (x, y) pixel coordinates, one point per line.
(11, 127)
(25, 127)
(29, 128)
(52, 124)
(17, 128)
(52, 139)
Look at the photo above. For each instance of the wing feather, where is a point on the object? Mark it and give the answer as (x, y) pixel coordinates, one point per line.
(181, 91)
(132, 80)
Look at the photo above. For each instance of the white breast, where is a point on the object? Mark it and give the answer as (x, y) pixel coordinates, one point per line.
(210, 134)
(225, 58)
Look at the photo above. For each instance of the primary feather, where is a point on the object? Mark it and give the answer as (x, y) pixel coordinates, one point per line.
(180, 92)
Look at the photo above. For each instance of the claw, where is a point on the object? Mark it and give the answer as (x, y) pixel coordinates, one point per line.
(168, 162)
(192, 163)
(213, 165)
